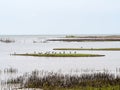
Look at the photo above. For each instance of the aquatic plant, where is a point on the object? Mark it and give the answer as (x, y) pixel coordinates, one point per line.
(10, 70)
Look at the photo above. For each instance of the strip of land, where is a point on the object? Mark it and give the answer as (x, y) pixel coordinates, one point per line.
(92, 49)
(87, 38)
(84, 39)
(93, 36)
(61, 55)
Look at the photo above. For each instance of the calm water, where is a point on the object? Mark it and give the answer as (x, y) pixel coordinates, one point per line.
(24, 44)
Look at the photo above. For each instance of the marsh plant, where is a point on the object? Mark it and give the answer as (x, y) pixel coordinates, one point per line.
(79, 79)
(59, 81)
(10, 70)
(5, 74)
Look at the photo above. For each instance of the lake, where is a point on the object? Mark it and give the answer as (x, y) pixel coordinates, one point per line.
(24, 44)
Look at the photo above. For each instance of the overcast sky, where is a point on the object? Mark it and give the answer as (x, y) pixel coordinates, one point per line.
(59, 16)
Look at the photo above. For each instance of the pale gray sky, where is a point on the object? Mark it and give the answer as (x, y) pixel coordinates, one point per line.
(59, 16)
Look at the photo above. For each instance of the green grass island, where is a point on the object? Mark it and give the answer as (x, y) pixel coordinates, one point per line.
(59, 55)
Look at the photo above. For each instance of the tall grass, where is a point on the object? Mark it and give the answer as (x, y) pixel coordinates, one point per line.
(57, 81)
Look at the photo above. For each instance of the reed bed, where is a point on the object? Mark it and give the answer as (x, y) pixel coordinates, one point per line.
(82, 79)
(58, 81)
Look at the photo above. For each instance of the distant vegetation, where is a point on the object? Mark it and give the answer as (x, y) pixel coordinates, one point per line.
(94, 49)
(7, 40)
(71, 38)
(93, 36)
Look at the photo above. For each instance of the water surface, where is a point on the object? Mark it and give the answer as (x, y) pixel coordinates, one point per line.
(24, 44)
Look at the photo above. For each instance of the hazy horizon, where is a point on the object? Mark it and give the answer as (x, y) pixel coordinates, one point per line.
(51, 17)
(60, 34)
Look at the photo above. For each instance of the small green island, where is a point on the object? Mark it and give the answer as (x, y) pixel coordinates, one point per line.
(59, 55)
(93, 49)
